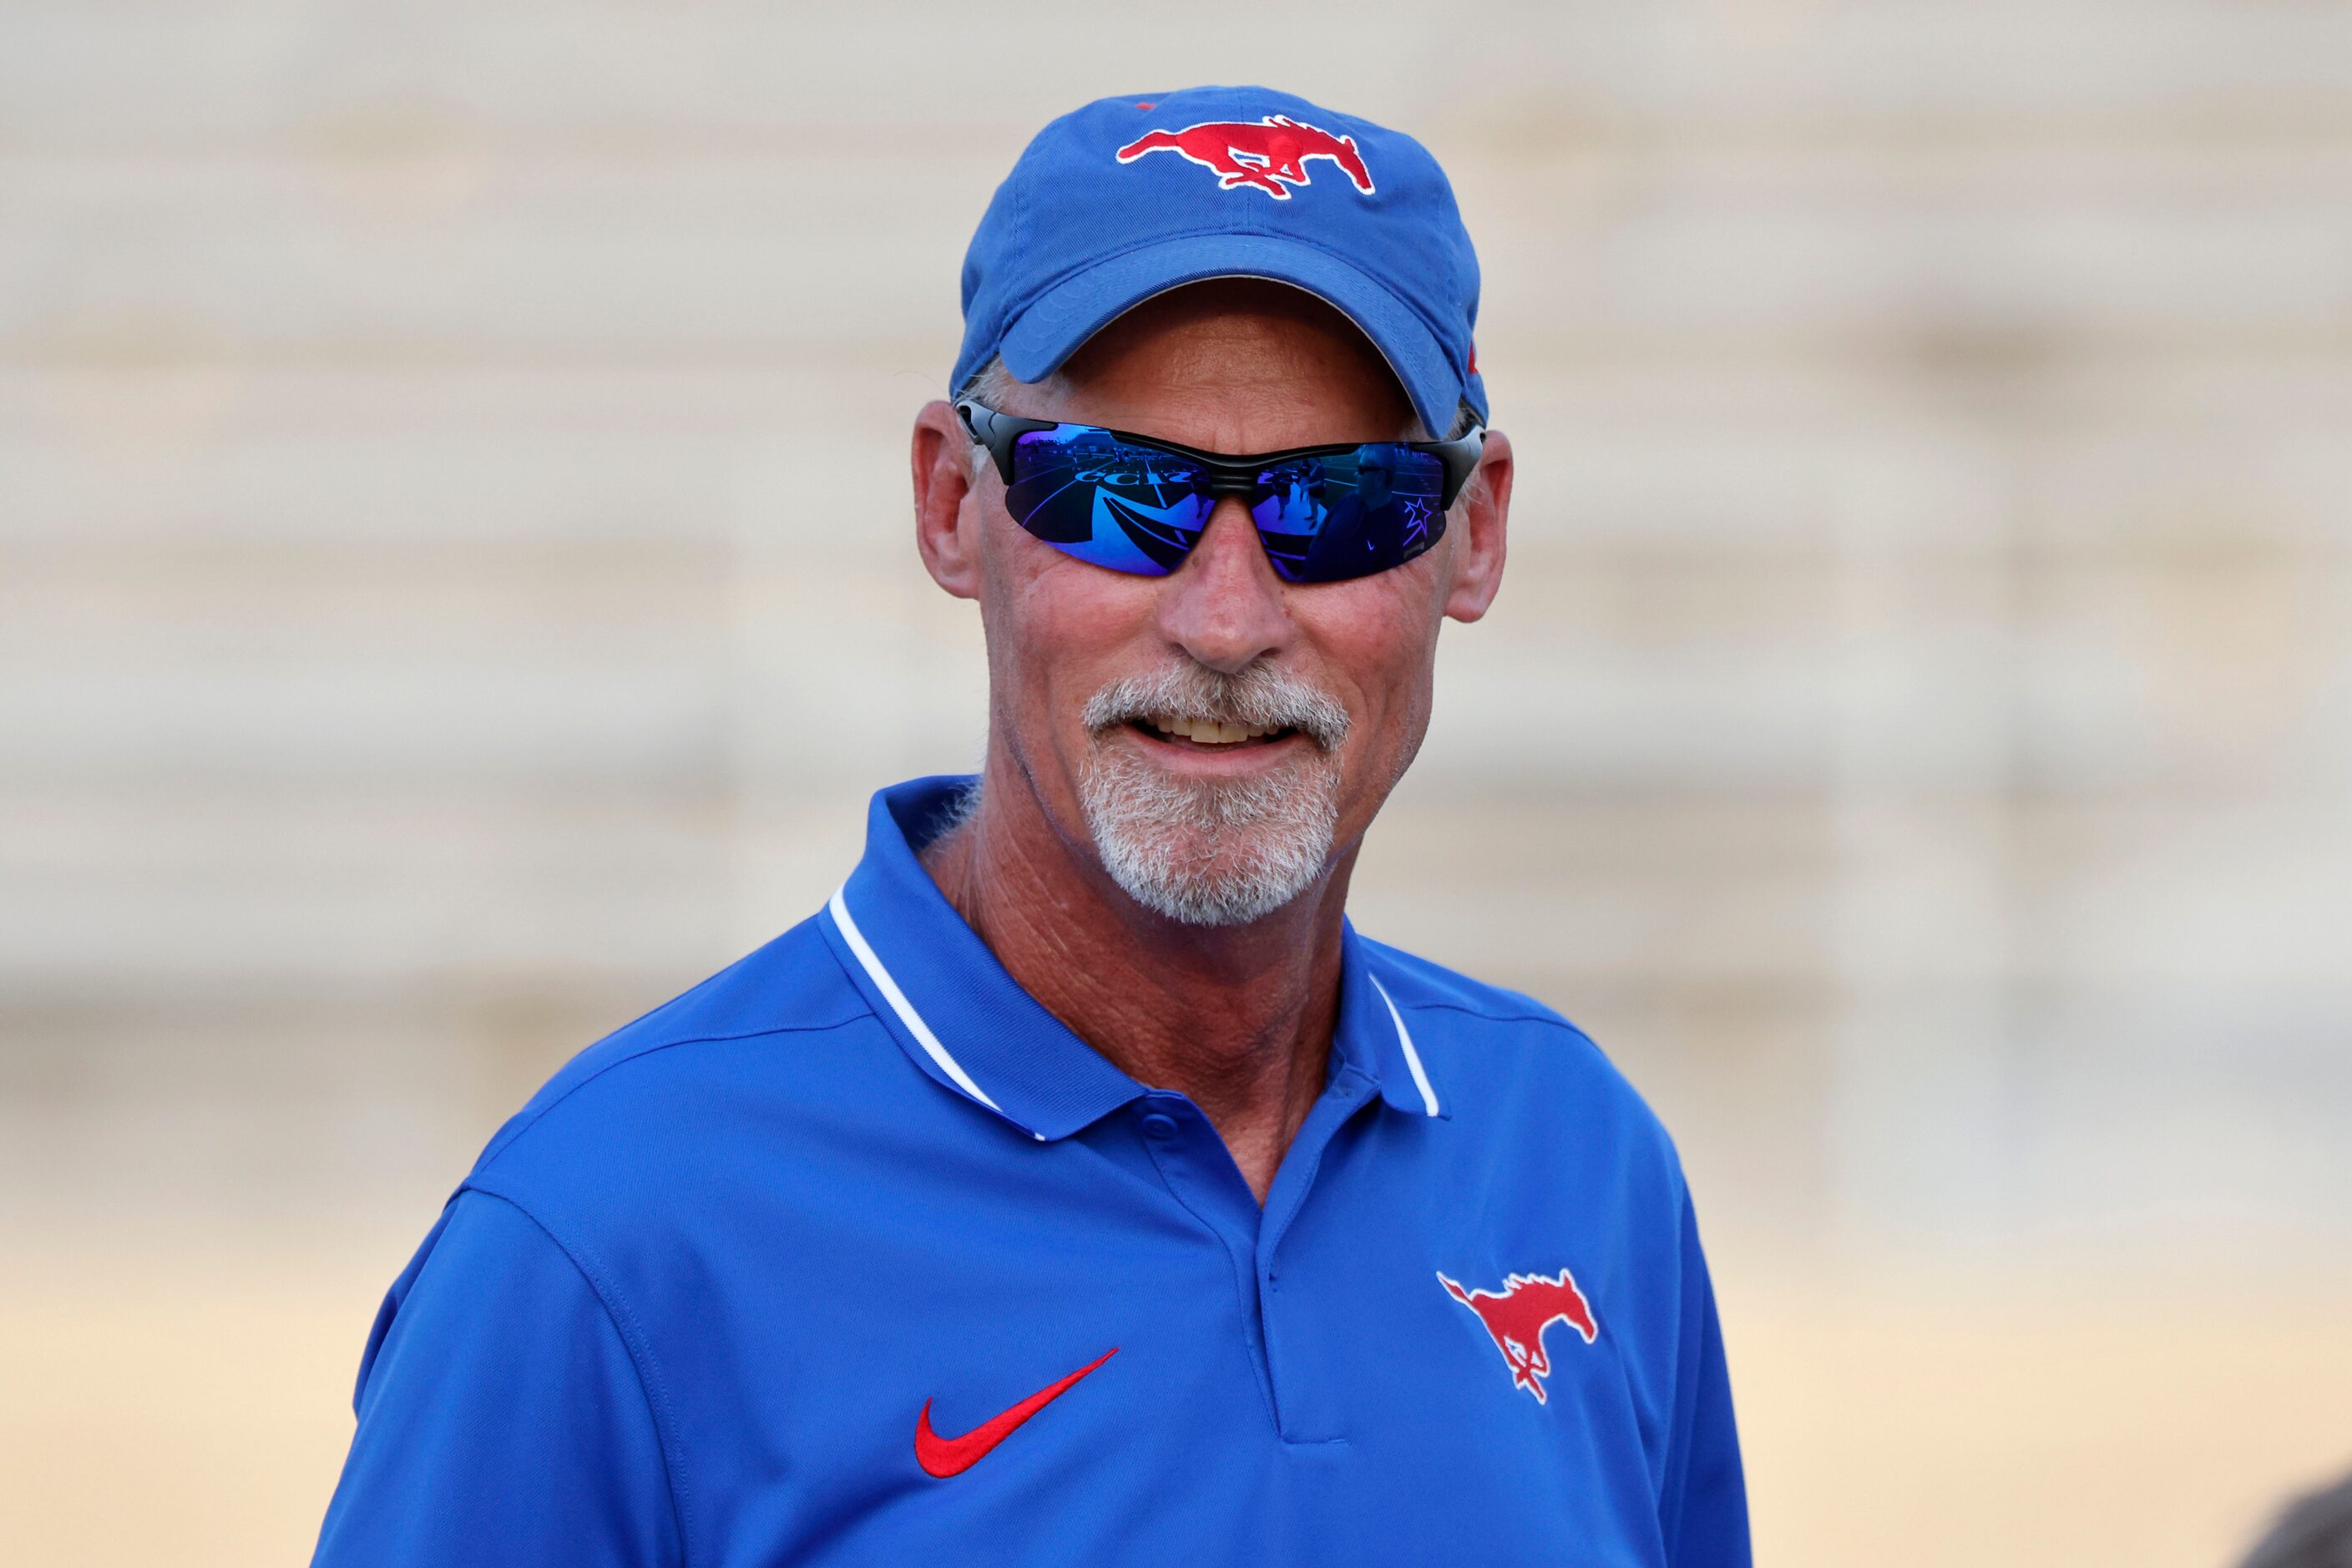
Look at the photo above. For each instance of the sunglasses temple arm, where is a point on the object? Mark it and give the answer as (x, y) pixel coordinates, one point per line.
(993, 431)
(1461, 459)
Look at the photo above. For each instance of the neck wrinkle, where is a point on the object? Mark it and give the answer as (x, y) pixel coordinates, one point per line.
(1238, 1018)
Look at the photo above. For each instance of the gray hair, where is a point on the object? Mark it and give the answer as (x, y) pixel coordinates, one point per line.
(992, 384)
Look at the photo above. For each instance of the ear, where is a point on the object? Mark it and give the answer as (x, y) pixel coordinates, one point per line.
(1484, 532)
(947, 530)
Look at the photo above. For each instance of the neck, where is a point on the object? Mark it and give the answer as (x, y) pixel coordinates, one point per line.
(1236, 1019)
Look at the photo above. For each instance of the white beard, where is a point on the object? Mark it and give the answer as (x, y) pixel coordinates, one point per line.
(1205, 852)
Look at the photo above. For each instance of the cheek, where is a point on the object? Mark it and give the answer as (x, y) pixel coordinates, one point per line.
(1378, 639)
(1057, 632)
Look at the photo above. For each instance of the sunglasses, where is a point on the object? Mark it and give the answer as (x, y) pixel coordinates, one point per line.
(1324, 513)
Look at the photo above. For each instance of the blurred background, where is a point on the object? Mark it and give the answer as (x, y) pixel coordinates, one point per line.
(456, 591)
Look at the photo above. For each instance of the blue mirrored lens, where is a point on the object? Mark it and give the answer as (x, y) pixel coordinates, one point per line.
(1089, 494)
(1350, 514)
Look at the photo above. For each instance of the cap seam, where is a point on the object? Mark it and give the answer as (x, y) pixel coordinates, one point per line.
(1105, 257)
(1021, 242)
(1439, 419)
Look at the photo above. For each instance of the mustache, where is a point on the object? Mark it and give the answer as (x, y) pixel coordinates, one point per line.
(1261, 695)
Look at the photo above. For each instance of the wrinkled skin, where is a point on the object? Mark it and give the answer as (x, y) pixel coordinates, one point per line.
(1239, 1019)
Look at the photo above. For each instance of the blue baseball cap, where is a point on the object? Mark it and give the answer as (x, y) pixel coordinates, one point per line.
(1132, 197)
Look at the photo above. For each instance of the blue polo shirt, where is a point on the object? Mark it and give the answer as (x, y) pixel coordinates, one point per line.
(854, 1254)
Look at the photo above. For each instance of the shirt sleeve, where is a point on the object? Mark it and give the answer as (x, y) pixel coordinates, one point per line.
(1702, 1509)
(501, 1417)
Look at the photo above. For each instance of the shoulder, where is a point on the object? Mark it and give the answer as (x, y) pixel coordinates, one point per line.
(1412, 980)
(1504, 1058)
(781, 1017)
(1477, 1017)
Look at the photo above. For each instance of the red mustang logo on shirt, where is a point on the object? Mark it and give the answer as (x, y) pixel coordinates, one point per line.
(1517, 1316)
(1269, 154)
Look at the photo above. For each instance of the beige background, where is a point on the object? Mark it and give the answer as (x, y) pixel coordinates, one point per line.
(1916, 736)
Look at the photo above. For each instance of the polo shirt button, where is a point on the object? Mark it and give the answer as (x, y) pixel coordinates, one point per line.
(1158, 1126)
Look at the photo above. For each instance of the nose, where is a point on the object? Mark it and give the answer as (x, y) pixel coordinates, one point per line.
(1223, 606)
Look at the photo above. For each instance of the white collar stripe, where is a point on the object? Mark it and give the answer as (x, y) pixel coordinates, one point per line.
(900, 1006)
(1411, 1057)
(885, 982)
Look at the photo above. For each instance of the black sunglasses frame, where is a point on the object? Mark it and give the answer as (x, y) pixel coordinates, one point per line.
(1228, 474)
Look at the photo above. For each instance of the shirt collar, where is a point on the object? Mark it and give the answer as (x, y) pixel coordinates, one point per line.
(969, 1025)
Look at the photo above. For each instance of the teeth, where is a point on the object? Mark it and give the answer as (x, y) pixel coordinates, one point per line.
(1208, 731)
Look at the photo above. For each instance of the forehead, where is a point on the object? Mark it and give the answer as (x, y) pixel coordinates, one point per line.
(1237, 364)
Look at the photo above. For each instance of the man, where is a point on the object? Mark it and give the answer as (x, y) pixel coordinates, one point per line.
(2314, 1531)
(1078, 1186)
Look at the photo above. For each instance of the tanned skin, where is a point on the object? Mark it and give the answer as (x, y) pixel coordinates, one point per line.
(1237, 1018)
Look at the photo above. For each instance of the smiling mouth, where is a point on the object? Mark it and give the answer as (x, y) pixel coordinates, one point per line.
(1209, 733)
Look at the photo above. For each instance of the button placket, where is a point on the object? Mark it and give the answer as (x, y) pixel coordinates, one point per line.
(1173, 1131)
(1297, 1406)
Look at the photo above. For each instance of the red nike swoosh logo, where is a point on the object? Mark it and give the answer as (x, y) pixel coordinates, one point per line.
(946, 1456)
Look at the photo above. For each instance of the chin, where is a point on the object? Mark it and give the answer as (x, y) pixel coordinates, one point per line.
(1211, 852)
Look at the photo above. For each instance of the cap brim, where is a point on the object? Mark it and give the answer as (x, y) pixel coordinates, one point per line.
(1078, 307)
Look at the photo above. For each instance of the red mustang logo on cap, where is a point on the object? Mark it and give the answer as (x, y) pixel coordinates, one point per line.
(1517, 1316)
(1270, 154)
